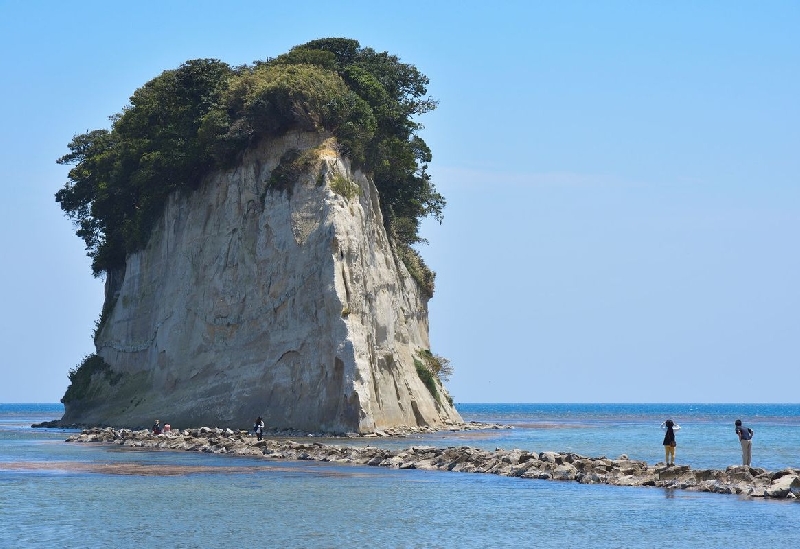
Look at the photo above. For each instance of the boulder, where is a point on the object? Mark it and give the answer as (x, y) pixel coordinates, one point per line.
(783, 487)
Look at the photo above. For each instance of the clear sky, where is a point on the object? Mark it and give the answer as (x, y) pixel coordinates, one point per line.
(623, 182)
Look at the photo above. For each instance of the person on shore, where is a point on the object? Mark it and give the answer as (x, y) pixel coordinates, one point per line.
(258, 427)
(156, 428)
(745, 435)
(669, 441)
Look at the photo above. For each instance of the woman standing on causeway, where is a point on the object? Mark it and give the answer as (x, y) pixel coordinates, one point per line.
(669, 441)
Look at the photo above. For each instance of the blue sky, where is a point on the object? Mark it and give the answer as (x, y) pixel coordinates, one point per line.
(623, 183)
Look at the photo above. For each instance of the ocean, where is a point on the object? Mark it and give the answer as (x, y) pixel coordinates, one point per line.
(51, 495)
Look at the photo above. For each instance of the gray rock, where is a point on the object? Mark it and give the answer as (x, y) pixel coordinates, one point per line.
(549, 457)
(783, 486)
(565, 471)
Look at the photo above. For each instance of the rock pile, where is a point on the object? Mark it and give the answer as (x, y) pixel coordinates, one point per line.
(741, 480)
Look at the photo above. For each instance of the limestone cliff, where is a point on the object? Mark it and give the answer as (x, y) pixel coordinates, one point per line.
(248, 301)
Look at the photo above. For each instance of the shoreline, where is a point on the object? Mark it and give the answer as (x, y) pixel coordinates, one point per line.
(739, 480)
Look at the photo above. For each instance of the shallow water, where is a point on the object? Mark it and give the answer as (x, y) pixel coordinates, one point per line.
(247, 502)
(706, 439)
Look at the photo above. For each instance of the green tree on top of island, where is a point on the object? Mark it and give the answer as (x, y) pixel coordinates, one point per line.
(203, 115)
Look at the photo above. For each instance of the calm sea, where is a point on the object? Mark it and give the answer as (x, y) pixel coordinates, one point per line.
(47, 500)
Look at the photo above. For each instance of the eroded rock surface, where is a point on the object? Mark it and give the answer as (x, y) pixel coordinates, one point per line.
(253, 301)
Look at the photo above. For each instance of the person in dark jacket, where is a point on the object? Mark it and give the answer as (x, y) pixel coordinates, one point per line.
(745, 435)
(258, 427)
(669, 441)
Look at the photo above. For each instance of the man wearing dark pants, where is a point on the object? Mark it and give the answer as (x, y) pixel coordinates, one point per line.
(746, 439)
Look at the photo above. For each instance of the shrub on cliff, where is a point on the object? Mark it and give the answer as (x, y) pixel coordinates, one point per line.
(81, 376)
(203, 115)
(427, 378)
(438, 365)
(430, 368)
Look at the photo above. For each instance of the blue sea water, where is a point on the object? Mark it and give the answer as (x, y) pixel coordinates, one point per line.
(218, 501)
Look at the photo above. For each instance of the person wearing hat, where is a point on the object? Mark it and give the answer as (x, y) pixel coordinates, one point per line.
(669, 441)
(156, 428)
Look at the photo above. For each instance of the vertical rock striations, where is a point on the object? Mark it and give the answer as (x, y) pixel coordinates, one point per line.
(251, 298)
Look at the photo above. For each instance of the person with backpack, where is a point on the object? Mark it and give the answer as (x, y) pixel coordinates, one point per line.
(745, 435)
(669, 441)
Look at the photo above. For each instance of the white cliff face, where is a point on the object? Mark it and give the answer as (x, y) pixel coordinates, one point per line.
(290, 305)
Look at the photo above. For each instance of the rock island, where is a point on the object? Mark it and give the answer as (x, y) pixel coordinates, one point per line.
(255, 226)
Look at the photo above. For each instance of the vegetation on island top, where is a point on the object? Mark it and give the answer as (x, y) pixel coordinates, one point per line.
(205, 114)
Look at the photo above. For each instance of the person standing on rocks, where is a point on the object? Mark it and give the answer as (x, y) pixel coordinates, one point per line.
(669, 441)
(745, 435)
(258, 427)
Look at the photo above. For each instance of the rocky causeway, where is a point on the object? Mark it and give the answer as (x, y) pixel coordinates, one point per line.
(739, 480)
